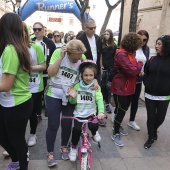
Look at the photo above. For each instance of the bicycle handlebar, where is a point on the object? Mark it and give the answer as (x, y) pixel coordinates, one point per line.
(92, 119)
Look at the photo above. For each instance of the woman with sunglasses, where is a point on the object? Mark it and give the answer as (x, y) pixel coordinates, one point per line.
(106, 62)
(48, 48)
(142, 52)
(15, 97)
(157, 88)
(38, 64)
(57, 39)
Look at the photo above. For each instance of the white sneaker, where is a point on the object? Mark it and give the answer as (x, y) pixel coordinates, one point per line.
(73, 154)
(113, 117)
(133, 125)
(5, 153)
(32, 140)
(97, 137)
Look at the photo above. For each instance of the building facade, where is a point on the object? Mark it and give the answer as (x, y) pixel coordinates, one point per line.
(153, 16)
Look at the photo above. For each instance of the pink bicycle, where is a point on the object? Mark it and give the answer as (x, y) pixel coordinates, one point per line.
(85, 151)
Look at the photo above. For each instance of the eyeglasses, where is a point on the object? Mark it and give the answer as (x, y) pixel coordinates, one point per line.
(56, 36)
(37, 29)
(91, 28)
(145, 40)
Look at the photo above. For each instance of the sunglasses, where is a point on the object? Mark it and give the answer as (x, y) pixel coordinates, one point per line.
(56, 36)
(145, 40)
(91, 28)
(37, 29)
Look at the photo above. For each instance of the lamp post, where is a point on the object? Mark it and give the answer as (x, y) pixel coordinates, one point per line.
(87, 11)
(18, 4)
(121, 22)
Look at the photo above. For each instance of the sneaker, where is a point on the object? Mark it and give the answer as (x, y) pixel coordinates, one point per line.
(97, 137)
(50, 160)
(32, 140)
(113, 117)
(12, 166)
(122, 131)
(73, 154)
(133, 125)
(108, 109)
(64, 153)
(5, 153)
(148, 143)
(117, 140)
(102, 122)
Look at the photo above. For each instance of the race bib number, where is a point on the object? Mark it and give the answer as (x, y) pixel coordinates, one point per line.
(67, 73)
(85, 97)
(34, 79)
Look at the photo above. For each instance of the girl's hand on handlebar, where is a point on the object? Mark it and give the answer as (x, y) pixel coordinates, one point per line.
(101, 116)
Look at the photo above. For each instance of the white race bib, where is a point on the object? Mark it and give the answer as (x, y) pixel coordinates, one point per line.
(34, 79)
(67, 73)
(85, 97)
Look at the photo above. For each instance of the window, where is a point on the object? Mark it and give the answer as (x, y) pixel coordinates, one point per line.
(71, 21)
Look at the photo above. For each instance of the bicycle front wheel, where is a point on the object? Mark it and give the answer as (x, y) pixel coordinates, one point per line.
(85, 162)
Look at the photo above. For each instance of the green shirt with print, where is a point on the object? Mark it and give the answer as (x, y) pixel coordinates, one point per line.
(19, 92)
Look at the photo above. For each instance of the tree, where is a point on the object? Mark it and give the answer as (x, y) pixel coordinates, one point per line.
(82, 5)
(109, 12)
(133, 16)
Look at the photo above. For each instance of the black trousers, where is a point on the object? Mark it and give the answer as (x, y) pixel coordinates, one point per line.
(156, 112)
(77, 129)
(122, 104)
(36, 109)
(105, 87)
(13, 122)
(134, 103)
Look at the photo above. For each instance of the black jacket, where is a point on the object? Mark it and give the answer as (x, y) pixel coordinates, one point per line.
(88, 53)
(51, 47)
(157, 76)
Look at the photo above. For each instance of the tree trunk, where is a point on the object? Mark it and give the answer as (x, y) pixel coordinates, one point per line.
(134, 14)
(109, 12)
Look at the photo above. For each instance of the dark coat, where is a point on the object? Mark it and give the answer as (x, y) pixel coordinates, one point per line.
(88, 53)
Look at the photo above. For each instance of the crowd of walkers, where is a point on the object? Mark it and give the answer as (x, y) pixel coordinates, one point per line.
(56, 70)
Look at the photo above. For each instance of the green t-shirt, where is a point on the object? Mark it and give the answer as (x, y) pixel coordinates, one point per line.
(19, 92)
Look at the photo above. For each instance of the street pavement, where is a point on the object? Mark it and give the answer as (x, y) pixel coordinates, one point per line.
(110, 157)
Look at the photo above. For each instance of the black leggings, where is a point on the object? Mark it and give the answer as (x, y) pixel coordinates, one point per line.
(122, 103)
(54, 109)
(156, 112)
(134, 103)
(76, 133)
(13, 122)
(36, 108)
(105, 87)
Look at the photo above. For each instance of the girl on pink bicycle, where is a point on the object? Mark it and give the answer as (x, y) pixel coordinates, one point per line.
(88, 103)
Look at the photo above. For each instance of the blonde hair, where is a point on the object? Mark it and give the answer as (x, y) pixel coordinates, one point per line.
(75, 46)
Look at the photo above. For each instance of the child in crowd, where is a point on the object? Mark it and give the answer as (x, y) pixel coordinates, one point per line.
(88, 101)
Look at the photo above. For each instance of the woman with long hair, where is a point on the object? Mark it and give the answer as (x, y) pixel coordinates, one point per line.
(157, 88)
(15, 97)
(142, 52)
(106, 62)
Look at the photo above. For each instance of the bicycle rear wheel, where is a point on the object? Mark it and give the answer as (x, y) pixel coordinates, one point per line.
(85, 162)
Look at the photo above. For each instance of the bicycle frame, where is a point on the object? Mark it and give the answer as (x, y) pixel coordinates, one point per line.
(85, 148)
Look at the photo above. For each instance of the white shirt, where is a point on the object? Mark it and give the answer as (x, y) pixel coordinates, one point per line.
(92, 42)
